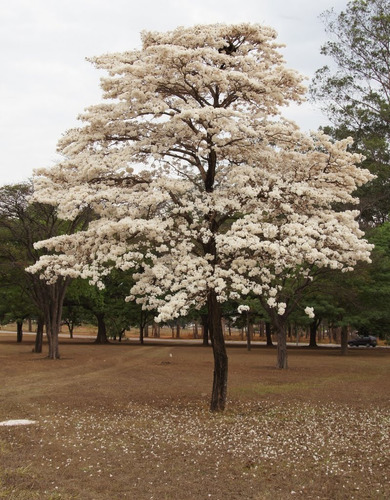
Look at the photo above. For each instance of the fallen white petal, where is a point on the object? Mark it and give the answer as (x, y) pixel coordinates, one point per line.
(17, 422)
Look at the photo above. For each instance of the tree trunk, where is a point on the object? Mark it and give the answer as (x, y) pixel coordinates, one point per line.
(53, 314)
(141, 327)
(101, 337)
(39, 336)
(52, 321)
(281, 333)
(156, 330)
(195, 330)
(205, 328)
(248, 332)
(268, 334)
(177, 330)
(50, 299)
(19, 331)
(344, 340)
(219, 391)
(313, 333)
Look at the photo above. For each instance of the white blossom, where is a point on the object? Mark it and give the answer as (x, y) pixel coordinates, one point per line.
(309, 311)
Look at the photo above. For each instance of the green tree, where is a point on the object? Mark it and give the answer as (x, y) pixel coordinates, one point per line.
(355, 92)
(106, 307)
(373, 285)
(22, 224)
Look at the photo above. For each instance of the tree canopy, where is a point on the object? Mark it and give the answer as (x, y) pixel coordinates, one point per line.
(355, 91)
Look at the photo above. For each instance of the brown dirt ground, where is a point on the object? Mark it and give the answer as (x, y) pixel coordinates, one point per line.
(128, 421)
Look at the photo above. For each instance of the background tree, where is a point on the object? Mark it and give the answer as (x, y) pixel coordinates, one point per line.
(15, 303)
(355, 92)
(106, 307)
(371, 286)
(232, 197)
(22, 224)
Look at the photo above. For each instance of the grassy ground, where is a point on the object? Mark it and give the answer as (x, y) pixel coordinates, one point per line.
(129, 421)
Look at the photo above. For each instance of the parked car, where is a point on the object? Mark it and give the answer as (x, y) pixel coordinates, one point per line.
(365, 340)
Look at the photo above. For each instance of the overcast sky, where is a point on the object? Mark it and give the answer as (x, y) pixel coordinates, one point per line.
(46, 81)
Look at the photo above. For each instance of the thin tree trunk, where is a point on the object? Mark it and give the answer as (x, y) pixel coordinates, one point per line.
(195, 330)
(268, 334)
(205, 328)
(313, 333)
(248, 333)
(19, 331)
(156, 330)
(141, 328)
(39, 336)
(344, 340)
(219, 391)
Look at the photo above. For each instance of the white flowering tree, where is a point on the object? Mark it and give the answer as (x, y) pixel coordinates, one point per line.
(230, 195)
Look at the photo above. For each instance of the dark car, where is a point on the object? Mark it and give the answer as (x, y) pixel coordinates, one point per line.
(365, 340)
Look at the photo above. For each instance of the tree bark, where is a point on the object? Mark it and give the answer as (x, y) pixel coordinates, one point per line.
(248, 332)
(205, 328)
(39, 336)
(219, 391)
(281, 333)
(313, 333)
(344, 340)
(268, 334)
(19, 331)
(195, 330)
(101, 337)
(141, 327)
(156, 330)
(52, 308)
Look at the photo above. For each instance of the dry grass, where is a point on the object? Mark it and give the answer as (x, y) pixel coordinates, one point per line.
(130, 421)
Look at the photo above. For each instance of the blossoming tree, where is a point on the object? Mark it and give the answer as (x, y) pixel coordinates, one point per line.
(230, 195)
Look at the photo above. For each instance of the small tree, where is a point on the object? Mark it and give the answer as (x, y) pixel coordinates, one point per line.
(232, 195)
